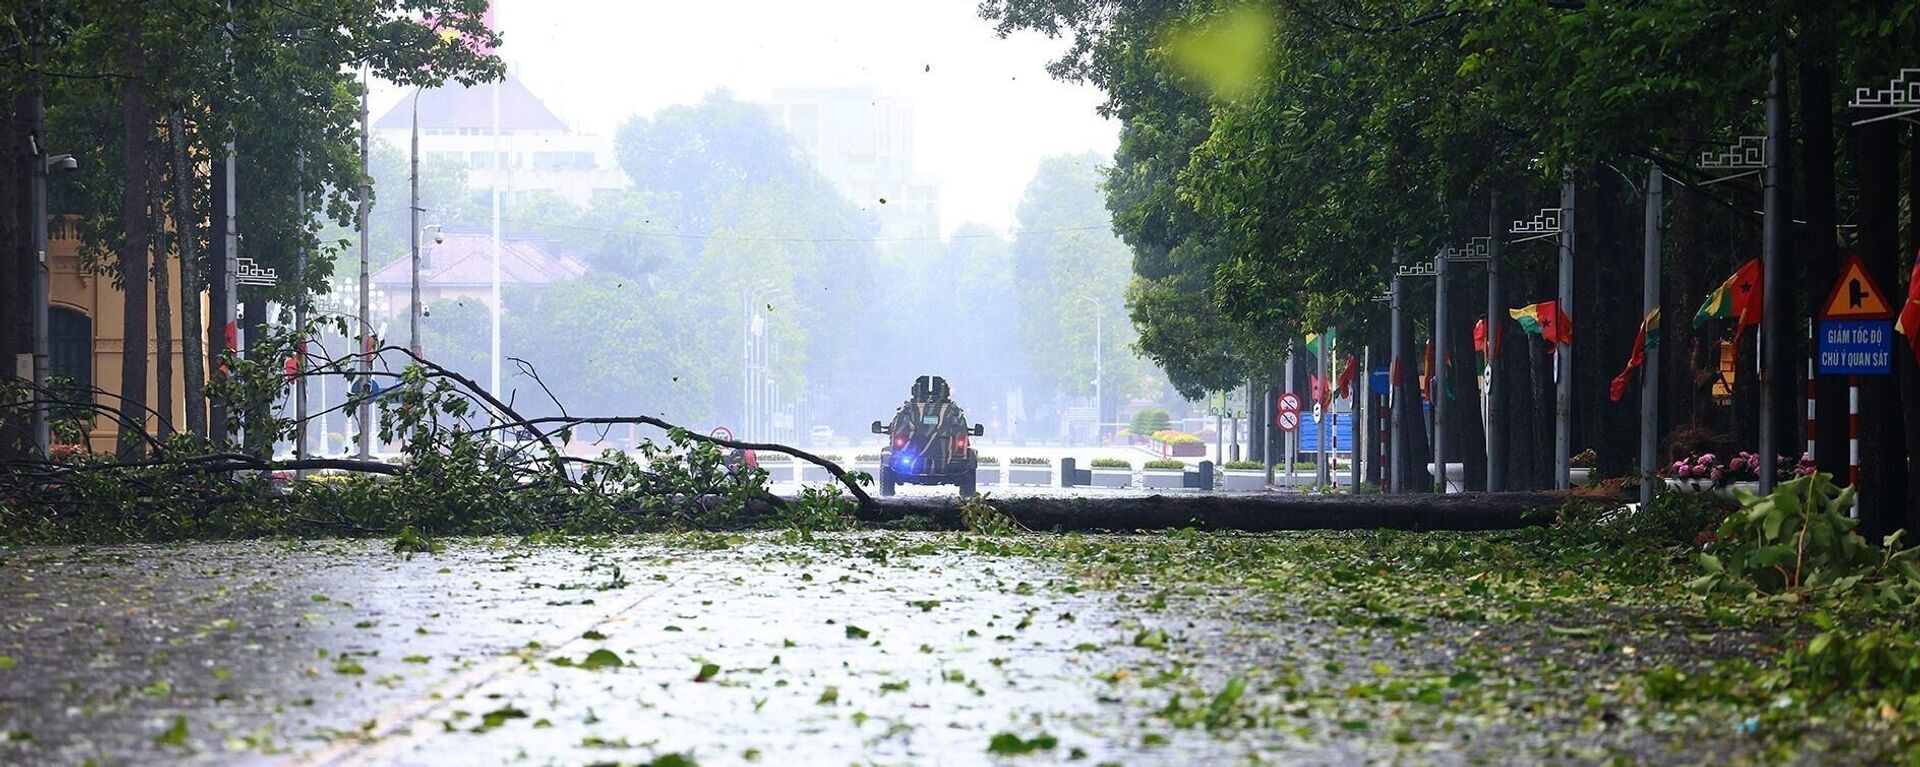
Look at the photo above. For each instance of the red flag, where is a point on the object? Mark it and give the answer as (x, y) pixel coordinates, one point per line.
(1748, 299)
(1314, 389)
(1480, 336)
(1426, 375)
(1347, 374)
(1394, 379)
(233, 343)
(1649, 336)
(1909, 323)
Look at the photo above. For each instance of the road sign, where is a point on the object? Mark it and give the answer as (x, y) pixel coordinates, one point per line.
(1856, 296)
(1856, 347)
(1286, 415)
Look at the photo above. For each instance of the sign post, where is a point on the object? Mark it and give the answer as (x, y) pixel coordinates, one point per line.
(1855, 339)
(1856, 326)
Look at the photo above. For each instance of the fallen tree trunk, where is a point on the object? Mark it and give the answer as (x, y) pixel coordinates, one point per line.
(1253, 513)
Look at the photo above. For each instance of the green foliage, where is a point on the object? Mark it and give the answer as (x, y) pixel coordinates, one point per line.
(1797, 537)
(978, 515)
(1150, 420)
(1243, 465)
(1111, 463)
(1164, 463)
(1672, 523)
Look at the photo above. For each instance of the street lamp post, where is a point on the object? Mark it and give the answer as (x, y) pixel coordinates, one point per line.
(413, 210)
(1557, 224)
(365, 410)
(1099, 365)
(42, 292)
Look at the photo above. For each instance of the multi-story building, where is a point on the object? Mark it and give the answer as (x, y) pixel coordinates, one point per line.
(536, 151)
(862, 141)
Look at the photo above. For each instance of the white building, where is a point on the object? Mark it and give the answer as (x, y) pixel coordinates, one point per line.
(537, 152)
(862, 141)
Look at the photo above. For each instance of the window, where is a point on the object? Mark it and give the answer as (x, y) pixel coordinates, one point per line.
(70, 358)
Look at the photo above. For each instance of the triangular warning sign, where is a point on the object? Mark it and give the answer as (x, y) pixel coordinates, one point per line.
(1856, 296)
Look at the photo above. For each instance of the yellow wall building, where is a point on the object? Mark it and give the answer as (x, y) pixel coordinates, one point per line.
(85, 322)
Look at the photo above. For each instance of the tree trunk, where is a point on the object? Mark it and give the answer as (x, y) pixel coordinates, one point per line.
(1903, 359)
(1414, 442)
(1466, 433)
(1883, 446)
(1818, 245)
(1516, 374)
(162, 298)
(134, 127)
(1607, 299)
(18, 265)
(1687, 354)
(216, 299)
(1255, 512)
(186, 228)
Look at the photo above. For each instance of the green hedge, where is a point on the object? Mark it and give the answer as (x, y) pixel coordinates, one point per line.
(1111, 463)
(1165, 463)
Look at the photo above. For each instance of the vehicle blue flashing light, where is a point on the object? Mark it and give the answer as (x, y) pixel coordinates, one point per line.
(903, 460)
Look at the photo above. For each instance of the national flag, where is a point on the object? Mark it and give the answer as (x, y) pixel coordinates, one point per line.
(1739, 298)
(1480, 336)
(1426, 373)
(1647, 338)
(1347, 374)
(1545, 320)
(1314, 340)
(1394, 378)
(1315, 392)
(1909, 322)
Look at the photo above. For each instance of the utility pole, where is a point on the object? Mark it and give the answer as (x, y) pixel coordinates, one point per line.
(1496, 394)
(1649, 303)
(1292, 439)
(1439, 393)
(366, 289)
(1563, 354)
(499, 167)
(1359, 416)
(1323, 474)
(42, 411)
(230, 289)
(413, 227)
(1773, 293)
(299, 322)
(1396, 393)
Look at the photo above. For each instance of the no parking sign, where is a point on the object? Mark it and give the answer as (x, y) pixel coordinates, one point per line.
(1286, 412)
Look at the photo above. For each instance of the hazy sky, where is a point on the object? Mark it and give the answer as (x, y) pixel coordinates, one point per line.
(985, 109)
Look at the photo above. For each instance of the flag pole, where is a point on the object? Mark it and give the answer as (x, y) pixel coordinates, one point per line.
(1650, 367)
(1563, 357)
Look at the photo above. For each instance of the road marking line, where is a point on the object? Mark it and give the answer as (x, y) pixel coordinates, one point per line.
(393, 727)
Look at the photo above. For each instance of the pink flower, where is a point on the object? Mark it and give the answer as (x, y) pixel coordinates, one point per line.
(1706, 460)
(1716, 475)
(1737, 464)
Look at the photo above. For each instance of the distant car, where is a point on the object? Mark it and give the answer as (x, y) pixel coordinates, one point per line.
(928, 441)
(822, 435)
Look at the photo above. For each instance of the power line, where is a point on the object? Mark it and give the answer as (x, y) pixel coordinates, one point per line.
(779, 239)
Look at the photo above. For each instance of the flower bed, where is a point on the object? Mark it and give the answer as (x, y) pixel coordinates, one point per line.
(1164, 474)
(1179, 443)
(1705, 471)
(1022, 470)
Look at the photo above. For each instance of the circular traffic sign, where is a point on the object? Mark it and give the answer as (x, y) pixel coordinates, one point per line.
(1286, 415)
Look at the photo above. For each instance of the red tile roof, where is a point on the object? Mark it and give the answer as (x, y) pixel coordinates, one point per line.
(466, 259)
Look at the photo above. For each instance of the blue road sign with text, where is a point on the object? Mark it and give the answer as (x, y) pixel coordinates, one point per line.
(1856, 347)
